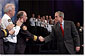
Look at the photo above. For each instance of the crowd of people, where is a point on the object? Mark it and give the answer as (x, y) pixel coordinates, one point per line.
(14, 36)
(44, 21)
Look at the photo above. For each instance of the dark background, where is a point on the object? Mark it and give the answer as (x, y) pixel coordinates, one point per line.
(73, 9)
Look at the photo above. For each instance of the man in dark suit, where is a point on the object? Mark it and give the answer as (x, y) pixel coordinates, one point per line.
(65, 34)
(23, 34)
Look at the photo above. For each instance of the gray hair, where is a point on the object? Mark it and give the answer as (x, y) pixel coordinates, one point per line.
(60, 14)
(8, 7)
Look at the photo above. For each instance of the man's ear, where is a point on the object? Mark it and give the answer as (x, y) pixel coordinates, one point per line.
(10, 11)
(61, 17)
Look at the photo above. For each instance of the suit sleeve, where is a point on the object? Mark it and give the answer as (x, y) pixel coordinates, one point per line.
(4, 33)
(27, 34)
(75, 35)
(50, 37)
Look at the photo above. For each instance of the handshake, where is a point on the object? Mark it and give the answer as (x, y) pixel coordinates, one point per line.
(41, 39)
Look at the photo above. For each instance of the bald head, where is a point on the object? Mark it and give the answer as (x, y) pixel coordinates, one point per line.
(22, 15)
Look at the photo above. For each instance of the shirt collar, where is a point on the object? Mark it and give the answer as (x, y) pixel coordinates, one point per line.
(63, 22)
(7, 16)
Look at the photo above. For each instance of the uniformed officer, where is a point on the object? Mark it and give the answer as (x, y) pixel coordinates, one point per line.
(49, 26)
(38, 21)
(11, 40)
(4, 33)
(23, 34)
(32, 20)
(43, 22)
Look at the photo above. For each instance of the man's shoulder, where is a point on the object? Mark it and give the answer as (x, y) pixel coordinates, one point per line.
(68, 21)
(54, 26)
(5, 17)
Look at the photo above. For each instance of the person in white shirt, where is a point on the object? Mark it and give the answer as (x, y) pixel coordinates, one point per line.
(43, 22)
(47, 18)
(38, 21)
(32, 20)
(49, 27)
(11, 40)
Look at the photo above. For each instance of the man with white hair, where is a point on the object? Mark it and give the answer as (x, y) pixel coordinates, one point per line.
(11, 40)
(4, 33)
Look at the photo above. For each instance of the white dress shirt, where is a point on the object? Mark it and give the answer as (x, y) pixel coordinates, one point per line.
(38, 22)
(6, 20)
(32, 21)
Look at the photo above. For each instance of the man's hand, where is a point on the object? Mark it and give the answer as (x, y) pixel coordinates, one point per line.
(41, 39)
(11, 32)
(10, 26)
(19, 23)
(77, 49)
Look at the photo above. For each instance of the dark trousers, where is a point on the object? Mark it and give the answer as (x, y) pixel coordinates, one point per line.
(62, 48)
(9, 48)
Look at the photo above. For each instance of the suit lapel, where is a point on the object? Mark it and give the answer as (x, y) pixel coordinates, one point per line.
(64, 28)
(58, 29)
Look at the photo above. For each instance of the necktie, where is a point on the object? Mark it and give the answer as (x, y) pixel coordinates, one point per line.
(62, 29)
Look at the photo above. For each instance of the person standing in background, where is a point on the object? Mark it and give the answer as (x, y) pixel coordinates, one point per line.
(80, 32)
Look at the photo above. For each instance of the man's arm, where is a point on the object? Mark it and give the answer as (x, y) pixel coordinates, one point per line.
(3, 33)
(16, 29)
(51, 36)
(48, 38)
(75, 37)
(27, 34)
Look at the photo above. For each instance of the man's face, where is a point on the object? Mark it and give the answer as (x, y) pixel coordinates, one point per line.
(43, 17)
(78, 24)
(33, 15)
(57, 17)
(38, 16)
(25, 17)
(49, 17)
(46, 17)
(13, 11)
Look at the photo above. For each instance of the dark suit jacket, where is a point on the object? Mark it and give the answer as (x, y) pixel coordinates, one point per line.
(71, 37)
(21, 40)
(2, 34)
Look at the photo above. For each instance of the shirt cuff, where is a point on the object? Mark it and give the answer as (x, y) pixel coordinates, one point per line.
(35, 38)
(18, 27)
(6, 32)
